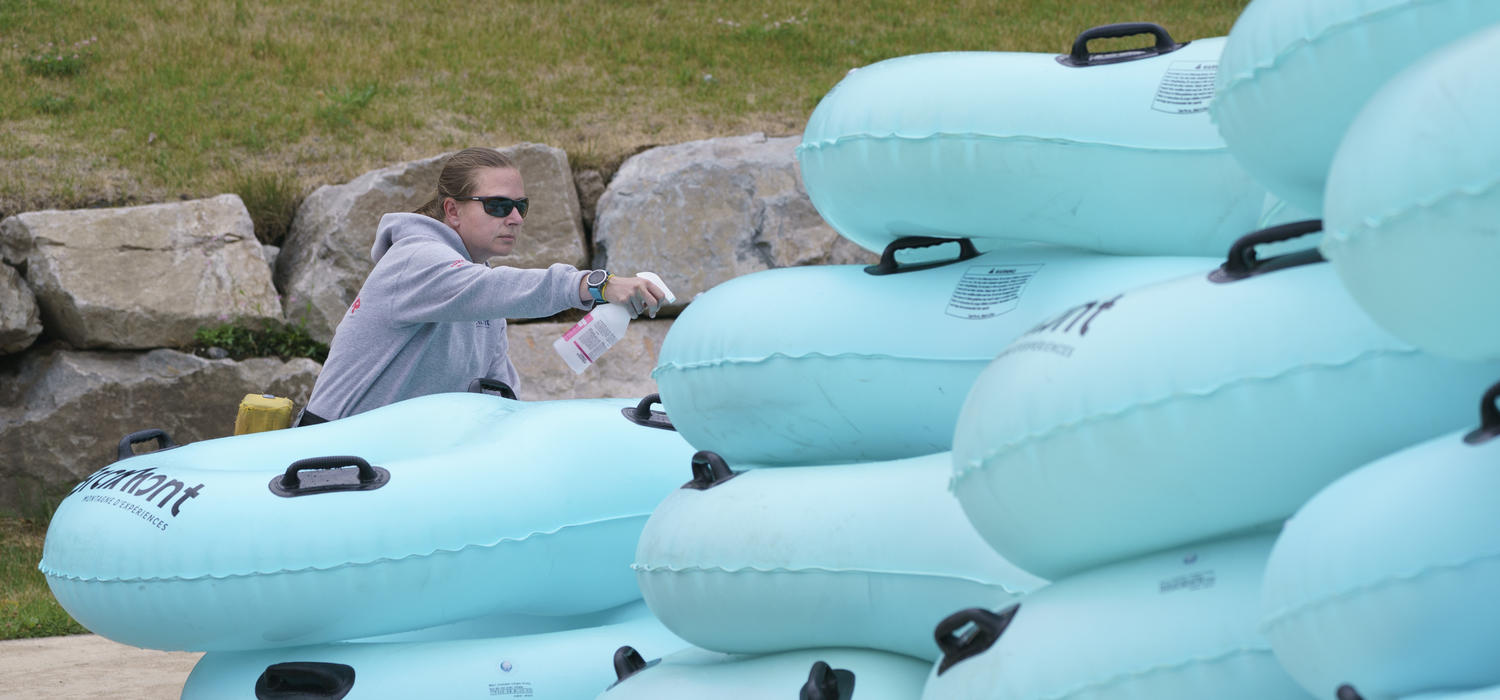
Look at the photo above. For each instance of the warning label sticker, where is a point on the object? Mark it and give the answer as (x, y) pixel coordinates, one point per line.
(512, 690)
(1187, 88)
(1187, 582)
(986, 291)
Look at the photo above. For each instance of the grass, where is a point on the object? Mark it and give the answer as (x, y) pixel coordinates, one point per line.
(107, 102)
(179, 98)
(27, 608)
(271, 198)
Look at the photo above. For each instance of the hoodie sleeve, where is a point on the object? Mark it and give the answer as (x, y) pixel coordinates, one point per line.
(432, 283)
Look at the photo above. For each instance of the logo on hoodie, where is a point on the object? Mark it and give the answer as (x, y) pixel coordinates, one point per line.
(354, 307)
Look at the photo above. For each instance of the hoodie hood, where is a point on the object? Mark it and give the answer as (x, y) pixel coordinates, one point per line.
(398, 227)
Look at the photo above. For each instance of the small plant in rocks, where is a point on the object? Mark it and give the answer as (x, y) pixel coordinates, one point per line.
(272, 199)
(240, 337)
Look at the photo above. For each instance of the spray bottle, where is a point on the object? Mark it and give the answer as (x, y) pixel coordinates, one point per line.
(600, 329)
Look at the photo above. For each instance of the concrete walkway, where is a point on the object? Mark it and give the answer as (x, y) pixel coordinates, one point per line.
(90, 666)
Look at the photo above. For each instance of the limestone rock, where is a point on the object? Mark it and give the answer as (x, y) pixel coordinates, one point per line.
(590, 188)
(703, 212)
(554, 226)
(622, 372)
(141, 277)
(75, 406)
(20, 320)
(326, 256)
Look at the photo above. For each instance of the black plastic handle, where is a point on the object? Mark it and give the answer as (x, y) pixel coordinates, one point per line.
(642, 414)
(984, 629)
(1243, 263)
(629, 662)
(128, 443)
(709, 470)
(1080, 57)
(485, 385)
(1489, 418)
(304, 680)
(1347, 692)
(889, 266)
(293, 483)
(827, 683)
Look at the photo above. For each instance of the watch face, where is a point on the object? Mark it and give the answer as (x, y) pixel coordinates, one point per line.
(596, 277)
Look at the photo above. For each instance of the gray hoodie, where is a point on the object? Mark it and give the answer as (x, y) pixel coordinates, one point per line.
(428, 319)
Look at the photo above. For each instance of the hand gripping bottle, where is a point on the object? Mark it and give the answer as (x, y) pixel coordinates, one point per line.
(599, 330)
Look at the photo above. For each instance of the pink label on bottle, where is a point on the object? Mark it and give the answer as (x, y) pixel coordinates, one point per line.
(578, 327)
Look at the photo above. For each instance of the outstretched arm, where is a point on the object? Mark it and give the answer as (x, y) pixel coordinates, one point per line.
(435, 285)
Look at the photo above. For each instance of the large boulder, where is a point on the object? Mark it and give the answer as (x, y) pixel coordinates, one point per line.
(624, 371)
(703, 212)
(326, 255)
(66, 411)
(141, 277)
(20, 320)
(590, 184)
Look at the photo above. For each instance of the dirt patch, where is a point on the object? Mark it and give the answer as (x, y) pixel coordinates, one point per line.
(89, 666)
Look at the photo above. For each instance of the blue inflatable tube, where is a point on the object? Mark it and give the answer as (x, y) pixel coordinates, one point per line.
(859, 555)
(1492, 693)
(822, 674)
(462, 505)
(559, 664)
(1295, 73)
(509, 624)
(827, 364)
(1190, 409)
(1413, 197)
(1111, 152)
(1386, 579)
(1176, 624)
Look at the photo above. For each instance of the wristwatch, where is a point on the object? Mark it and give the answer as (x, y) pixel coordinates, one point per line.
(596, 281)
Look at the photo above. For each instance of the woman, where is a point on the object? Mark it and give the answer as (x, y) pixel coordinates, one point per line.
(431, 316)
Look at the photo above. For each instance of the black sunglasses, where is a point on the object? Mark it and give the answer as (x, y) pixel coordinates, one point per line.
(500, 207)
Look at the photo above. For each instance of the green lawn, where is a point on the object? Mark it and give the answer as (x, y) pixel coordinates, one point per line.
(110, 101)
(27, 608)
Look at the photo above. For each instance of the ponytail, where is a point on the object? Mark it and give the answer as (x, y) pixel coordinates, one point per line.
(433, 208)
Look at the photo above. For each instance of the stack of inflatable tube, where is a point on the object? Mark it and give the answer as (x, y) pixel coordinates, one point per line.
(1106, 151)
(1177, 624)
(1295, 73)
(1385, 581)
(821, 674)
(424, 512)
(835, 363)
(1189, 409)
(1413, 197)
(558, 664)
(867, 555)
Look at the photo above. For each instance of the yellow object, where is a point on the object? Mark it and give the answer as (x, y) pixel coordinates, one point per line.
(262, 412)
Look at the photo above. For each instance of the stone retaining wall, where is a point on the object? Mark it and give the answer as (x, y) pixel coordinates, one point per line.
(96, 305)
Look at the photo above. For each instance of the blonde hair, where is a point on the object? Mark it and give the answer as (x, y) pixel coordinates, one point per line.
(458, 176)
